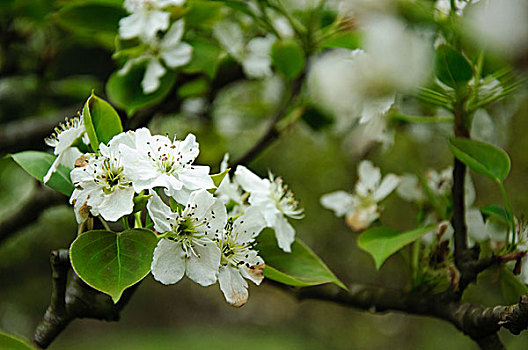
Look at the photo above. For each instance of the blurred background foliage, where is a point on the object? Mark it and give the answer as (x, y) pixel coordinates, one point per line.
(49, 65)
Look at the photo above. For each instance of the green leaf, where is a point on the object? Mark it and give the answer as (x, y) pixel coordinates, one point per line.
(288, 58)
(101, 121)
(205, 58)
(511, 287)
(111, 262)
(382, 242)
(11, 342)
(498, 212)
(125, 91)
(346, 40)
(37, 165)
(203, 13)
(451, 68)
(217, 178)
(197, 87)
(481, 157)
(299, 268)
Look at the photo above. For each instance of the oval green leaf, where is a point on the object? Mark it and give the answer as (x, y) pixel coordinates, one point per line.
(288, 58)
(482, 158)
(101, 121)
(300, 268)
(11, 342)
(498, 212)
(382, 242)
(37, 165)
(451, 68)
(125, 91)
(111, 262)
(512, 288)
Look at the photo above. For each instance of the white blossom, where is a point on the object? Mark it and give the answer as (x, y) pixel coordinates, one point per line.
(239, 261)
(187, 246)
(62, 140)
(274, 201)
(146, 19)
(156, 161)
(361, 208)
(229, 191)
(101, 187)
(170, 50)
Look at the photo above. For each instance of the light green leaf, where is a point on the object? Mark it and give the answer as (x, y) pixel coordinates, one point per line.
(346, 40)
(482, 157)
(203, 13)
(217, 178)
(111, 262)
(287, 58)
(511, 287)
(382, 242)
(299, 268)
(125, 91)
(101, 121)
(451, 68)
(206, 56)
(12, 342)
(197, 87)
(37, 165)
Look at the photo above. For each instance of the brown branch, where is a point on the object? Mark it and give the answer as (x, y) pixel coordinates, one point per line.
(75, 300)
(272, 133)
(480, 323)
(42, 199)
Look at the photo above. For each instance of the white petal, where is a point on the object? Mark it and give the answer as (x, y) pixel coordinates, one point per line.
(52, 169)
(216, 216)
(177, 56)
(181, 196)
(153, 73)
(230, 36)
(155, 21)
(174, 35)
(118, 204)
(249, 181)
(340, 202)
(203, 269)
(189, 148)
(249, 225)
(197, 178)
(477, 230)
(225, 163)
(69, 157)
(410, 189)
(284, 232)
(199, 204)
(255, 274)
(127, 138)
(369, 178)
(160, 213)
(168, 264)
(131, 26)
(233, 286)
(388, 185)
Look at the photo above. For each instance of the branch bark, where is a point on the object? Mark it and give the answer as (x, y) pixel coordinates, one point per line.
(73, 300)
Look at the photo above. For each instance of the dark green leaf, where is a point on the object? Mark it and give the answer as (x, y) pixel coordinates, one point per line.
(11, 342)
(101, 121)
(498, 212)
(37, 165)
(203, 13)
(382, 242)
(111, 262)
(197, 87)
(482, 157)
(512, 288)
(451, 68)
(91, 17)
(299, 268)
(316, 119)
(125, 91)
(288, 58)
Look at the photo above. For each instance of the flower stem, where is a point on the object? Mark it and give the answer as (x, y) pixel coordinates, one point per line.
(137, 221)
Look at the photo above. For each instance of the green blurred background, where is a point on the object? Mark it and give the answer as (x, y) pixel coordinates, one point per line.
(47, 72)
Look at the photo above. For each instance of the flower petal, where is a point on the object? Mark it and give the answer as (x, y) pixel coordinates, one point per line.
(160, 213)
(203, 269)
(340, 202)
(199, 204)
(249, 181)
(118, 204)
(284, 232)
(233, 286)
(177, 56)
(168, 264)
(369, 178)
(388, 185)
(153, 73)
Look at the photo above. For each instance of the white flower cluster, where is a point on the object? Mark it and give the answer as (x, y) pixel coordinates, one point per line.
(208, 237)
(146, 20)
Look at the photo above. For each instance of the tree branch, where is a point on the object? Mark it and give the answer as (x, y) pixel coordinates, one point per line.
(480, 323)
(272, 133)
(75, 300)
(42, 199)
